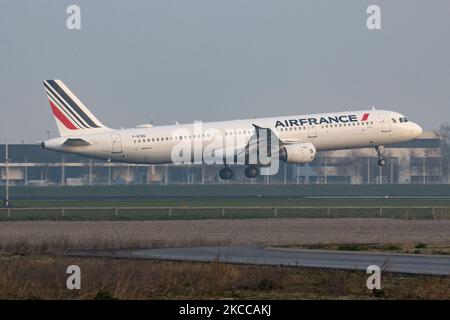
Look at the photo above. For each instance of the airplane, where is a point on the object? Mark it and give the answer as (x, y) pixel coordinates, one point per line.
(298, 138)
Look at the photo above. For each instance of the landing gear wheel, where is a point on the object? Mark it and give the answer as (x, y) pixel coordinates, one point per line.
(226, 173)
(382, 162)
(251, 171)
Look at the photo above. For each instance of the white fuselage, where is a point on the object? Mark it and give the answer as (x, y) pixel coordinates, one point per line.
(330, 131)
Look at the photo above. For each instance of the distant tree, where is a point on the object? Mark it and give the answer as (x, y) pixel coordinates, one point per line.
(444, 133)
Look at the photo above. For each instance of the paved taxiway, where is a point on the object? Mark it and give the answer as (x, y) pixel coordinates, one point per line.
(403, 263)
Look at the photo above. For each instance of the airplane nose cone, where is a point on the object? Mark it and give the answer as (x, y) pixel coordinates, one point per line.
(417, 130)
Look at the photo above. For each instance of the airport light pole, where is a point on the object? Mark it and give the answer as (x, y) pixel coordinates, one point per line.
(6, 201)
(63, 172)
(109, 172)
(26, 171)
(424, 181)
(380, 175)
(90, 172)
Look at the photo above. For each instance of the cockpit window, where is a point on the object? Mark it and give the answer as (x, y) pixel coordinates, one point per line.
(405, 120)
(394, 121)
(401, 120)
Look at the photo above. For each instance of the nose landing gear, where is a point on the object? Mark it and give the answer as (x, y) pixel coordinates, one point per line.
(381, 161)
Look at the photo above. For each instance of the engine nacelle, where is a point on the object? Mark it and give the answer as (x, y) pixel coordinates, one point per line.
(298, 153)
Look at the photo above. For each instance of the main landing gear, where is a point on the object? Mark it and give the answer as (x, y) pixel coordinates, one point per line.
(226, 173)
(251, 172)
(381, 161)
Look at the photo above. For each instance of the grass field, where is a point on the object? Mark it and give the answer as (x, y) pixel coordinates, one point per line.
(196, 213)
(28, 270)
(229, 190)
(315, 201)
(43, 277)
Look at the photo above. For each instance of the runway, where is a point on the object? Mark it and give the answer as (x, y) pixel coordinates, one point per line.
(95, 197)
(345, 260)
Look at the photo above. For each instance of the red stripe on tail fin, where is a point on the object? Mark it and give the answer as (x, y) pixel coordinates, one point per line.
(61, 117)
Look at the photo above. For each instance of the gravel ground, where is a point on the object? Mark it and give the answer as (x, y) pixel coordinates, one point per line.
(120, 234)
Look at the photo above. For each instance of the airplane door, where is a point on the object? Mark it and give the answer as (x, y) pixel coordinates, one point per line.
(312, 132)
(385, 123)
(116, 143)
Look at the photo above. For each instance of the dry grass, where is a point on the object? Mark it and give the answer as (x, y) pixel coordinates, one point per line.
(25, 246)
(46, 235)
(412, 248)
(44, 277)
(27, 271)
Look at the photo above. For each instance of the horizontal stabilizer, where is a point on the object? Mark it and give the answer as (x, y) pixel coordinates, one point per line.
(76, 142)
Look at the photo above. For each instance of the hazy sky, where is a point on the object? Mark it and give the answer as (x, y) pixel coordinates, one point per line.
(185, 60)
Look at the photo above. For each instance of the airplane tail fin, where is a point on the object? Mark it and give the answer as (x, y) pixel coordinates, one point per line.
(70, 114)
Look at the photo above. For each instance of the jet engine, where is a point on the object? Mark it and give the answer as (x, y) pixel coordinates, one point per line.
(298, 152)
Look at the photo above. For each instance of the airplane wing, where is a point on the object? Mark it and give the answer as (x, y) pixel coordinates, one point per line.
(263, 135)
(260, 136)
